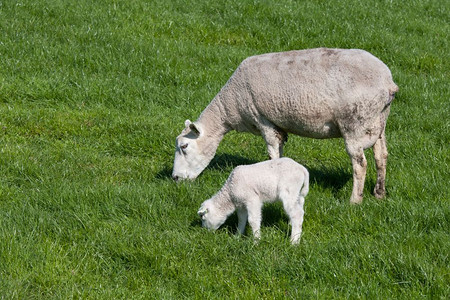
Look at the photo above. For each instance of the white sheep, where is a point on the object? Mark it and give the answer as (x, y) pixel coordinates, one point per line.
(249, 186)
(318, 93)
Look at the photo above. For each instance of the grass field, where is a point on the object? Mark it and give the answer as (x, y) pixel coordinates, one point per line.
(92, 96)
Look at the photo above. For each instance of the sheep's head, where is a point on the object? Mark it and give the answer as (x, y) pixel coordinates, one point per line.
(194, 150)
(211, 217)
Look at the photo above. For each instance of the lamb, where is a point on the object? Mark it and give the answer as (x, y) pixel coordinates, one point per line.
(318, 93)
(249, 186)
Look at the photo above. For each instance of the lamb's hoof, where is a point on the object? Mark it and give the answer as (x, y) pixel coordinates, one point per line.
(295, 242)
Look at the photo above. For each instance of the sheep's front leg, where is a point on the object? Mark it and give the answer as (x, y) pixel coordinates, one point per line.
(381, 154)
(359, 164)
(254, 217)
(242, 219)
(275, 139)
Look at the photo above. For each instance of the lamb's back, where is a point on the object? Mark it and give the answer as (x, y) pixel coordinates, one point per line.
(263, 179)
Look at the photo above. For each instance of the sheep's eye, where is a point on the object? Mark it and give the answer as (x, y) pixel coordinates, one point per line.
(183, 148)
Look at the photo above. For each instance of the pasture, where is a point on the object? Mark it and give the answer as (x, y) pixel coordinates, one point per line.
(93, 95)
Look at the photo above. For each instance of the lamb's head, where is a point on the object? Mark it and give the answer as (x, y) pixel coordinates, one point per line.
(194, 150)
(212, 216)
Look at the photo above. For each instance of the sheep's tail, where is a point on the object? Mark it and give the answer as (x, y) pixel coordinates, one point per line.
(305, 188)
(393, 88)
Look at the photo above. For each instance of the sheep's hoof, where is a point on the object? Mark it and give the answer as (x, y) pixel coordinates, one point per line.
(355, 200)
(379, 193)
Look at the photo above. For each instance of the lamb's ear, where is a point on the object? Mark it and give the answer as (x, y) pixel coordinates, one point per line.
(202, 211)
(195, 129)
(187, 123)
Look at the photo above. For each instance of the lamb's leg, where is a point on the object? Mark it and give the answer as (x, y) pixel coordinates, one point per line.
(254, 217)
(242, 220)
(359, 164)
(294, 210)
(381, 154)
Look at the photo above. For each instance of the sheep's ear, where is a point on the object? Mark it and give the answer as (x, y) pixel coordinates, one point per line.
(187, 123)
(195, 129)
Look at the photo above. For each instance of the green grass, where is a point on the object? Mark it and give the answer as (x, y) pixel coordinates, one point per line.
(92, 96)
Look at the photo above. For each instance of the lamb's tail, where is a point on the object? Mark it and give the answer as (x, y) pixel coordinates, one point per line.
(305, 188)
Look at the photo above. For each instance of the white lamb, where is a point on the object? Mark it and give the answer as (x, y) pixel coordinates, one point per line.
(248, 187)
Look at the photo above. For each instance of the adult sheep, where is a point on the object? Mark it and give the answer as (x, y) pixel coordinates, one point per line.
(318, 93)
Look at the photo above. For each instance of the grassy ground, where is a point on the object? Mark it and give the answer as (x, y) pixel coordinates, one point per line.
(92, 96)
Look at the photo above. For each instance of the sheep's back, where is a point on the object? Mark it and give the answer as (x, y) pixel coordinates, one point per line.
(306, 91)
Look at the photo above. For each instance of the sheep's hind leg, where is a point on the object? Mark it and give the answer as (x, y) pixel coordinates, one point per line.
(359, 164)
(381, 154)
